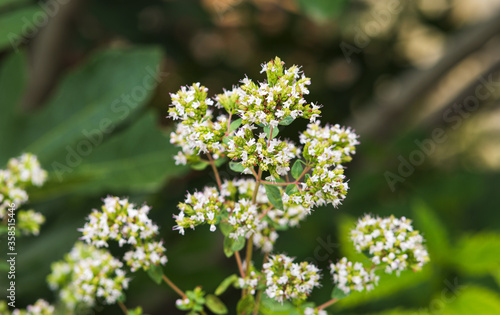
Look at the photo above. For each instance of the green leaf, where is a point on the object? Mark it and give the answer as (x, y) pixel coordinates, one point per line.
(228, 246)
(200, 166)
(5, 3)
(286, 121)
(136, 311)
(215, 304)
(102, 98)
(17, 24)
(345, 225)
(291, 189)
(389, 285)
(124, 163)
(225, 284)
(232, 245)
(297, 169)
(226, 228)
(271, 307)
(13, 81)
(274, 195)
(237, 167)
(496, 275)
(399, 311)
(235, 124)
(108, 78)
(238, 244)
(246, 304)
(221, 161)
(478, 254)
(226, 140)
(267, 130)
(472, 300)
(433, 230)
(3, 229)
(338, 294)
(155, 272)
(4, 266)
(322, 10)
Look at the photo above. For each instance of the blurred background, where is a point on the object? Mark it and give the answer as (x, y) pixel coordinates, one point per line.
(85, 86)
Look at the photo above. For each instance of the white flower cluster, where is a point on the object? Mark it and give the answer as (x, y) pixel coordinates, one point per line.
(291, 216)
(197, 133)
(281, 97)
(272, 155)
(249, 282)
(122, 222)
(190, 103)
(277, 101)
(86, 275)
(29, 221)
(352, 277)
(198, 208)
(244, 188)
(265, 236)
(243, 218)
(20, 173)
(390, 242)
(324, 149)
(41, 307)
(329, 145)
(286, 280)
(323, 187)
(314, 311)
(199, 137)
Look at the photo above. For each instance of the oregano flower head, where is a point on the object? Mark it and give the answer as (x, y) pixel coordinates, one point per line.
(88, 275)
(21, 173)
(124, 222)
(390, 242)
(287, 280)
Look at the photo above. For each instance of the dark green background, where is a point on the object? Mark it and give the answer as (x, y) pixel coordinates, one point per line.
(65, 77)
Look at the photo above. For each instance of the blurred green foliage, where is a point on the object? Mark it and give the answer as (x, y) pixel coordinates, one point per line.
(112, 47)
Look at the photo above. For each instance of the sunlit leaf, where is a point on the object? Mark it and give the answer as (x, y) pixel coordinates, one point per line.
(473, 301)
(478, 254)
(433, 230)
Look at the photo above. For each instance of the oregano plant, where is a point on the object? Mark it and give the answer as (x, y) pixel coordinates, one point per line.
(279, 185)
